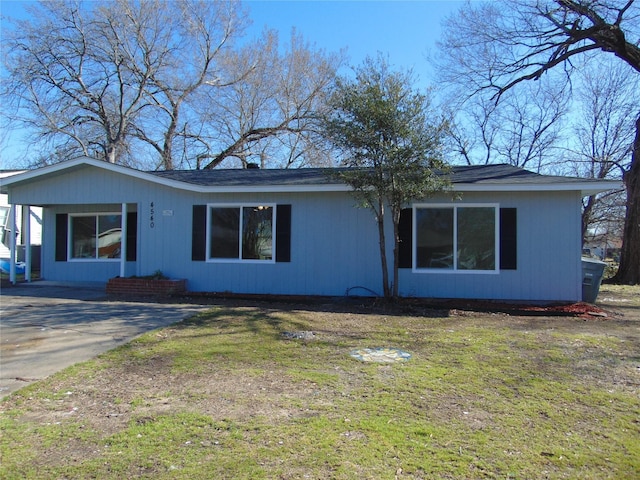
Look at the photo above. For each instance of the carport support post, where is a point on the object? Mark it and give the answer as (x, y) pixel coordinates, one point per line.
(12, 244)
(26, 212)
(123, 241)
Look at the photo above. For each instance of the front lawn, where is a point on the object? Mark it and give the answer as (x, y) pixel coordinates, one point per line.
(235, 394)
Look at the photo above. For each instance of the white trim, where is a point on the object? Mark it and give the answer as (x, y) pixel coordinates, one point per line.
(27, 242)
(12, 243)
(9, 173)
(586, 188)
(455, 207)
(177, 184)
(240, 206)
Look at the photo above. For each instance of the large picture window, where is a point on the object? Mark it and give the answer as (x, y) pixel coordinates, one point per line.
(456, 238)
(95, 236)
(241, 232)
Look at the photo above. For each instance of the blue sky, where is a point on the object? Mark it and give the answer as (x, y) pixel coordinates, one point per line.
(406, 31)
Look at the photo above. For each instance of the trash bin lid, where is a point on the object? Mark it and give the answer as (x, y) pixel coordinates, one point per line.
(593, 260)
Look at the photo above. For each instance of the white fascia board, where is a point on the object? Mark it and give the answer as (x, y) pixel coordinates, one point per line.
(79, 162)
(587, 188)
(49, 169)
(148, 177)
(10, 173)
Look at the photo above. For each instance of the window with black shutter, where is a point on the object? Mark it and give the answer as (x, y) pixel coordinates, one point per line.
(243, 232)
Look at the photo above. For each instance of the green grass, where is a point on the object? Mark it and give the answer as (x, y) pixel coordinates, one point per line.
(224, 395)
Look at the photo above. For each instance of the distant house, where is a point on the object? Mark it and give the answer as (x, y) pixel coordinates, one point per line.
(602, 246)
(512, 234)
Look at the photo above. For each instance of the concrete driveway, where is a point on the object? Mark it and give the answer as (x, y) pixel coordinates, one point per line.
(46, 327)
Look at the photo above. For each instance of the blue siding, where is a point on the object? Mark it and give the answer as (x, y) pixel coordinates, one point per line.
(334, 245)
(549, 265)
(331, 247)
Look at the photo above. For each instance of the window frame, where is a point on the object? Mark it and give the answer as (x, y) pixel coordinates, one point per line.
(455, 269)
(6, 216)
(96, 258)
(241, 206)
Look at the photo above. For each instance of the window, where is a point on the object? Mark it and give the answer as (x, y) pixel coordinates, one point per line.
(95, 236)
(243, 232)
(456, 238)
(4, 216)
(4, 219)
(201, 233)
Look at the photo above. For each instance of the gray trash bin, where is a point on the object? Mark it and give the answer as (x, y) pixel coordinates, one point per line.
(592, 272)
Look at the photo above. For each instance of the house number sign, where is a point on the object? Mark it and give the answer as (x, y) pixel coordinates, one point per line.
(152, 214)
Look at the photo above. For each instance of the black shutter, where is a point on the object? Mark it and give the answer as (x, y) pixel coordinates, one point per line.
(283, 233)
(61, 237)
(199, 233)
(508, 239)
(405, 232)
(132, 236)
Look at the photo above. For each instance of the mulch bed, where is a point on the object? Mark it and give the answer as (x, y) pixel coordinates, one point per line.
(579, 309)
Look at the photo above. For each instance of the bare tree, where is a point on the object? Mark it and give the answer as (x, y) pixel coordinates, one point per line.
(69, 82)
(494, 47)
(274, 111)
(192, 34)
(163, 84)
(522, 131)
(473, 129)
(603, 133)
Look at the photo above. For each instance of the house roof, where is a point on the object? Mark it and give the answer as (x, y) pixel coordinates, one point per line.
(464, 178)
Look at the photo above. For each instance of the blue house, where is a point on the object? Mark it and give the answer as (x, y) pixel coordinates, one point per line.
(510, 235)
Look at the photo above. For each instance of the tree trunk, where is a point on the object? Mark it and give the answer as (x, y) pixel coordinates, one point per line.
(383, 251)
(629, 270)
(167, 147)
(110, 153)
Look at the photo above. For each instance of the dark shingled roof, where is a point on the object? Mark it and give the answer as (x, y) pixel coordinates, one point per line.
(502, 173)
(250, 176)
(477, 174)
